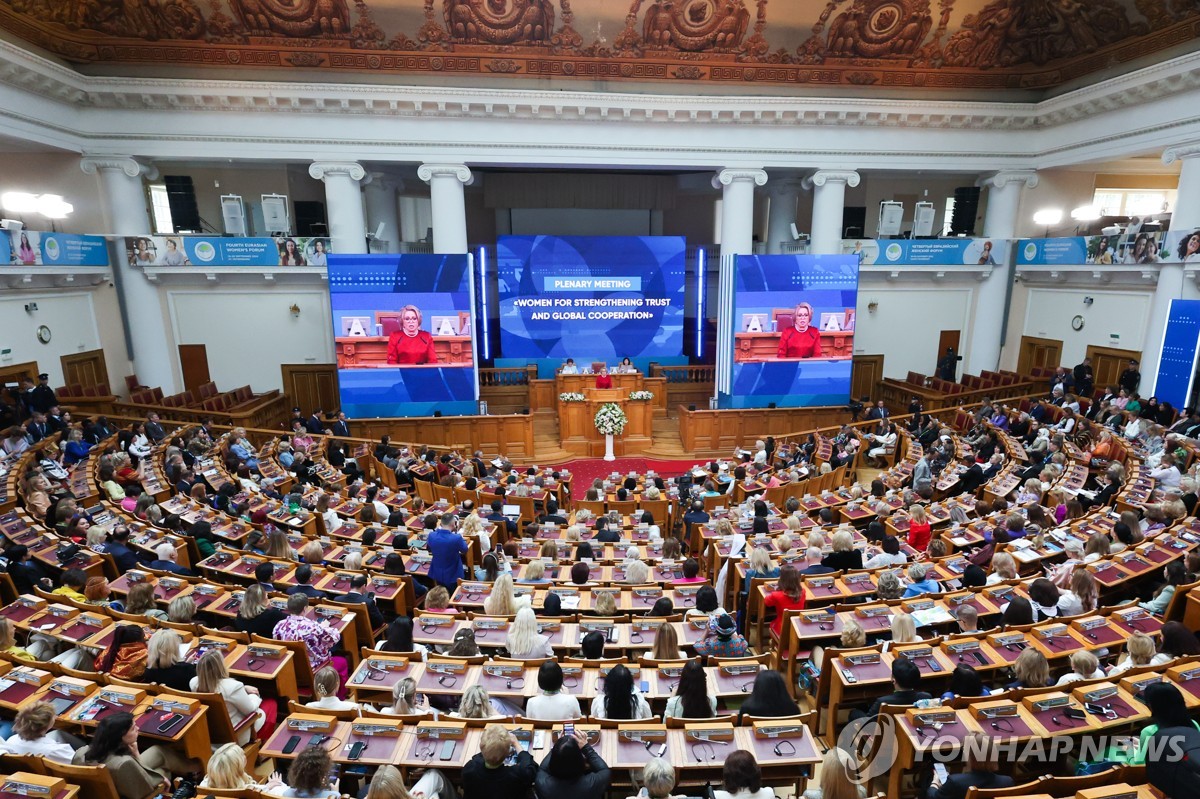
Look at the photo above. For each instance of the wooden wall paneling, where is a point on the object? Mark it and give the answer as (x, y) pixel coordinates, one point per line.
(865, 375)
(1043, 352)
(11, 375)
(511, 435)
(710, 433)
(542, 398)
(311, 386)
(1109, 362)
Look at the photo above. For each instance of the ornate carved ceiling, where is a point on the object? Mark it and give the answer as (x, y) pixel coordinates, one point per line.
(705, 45)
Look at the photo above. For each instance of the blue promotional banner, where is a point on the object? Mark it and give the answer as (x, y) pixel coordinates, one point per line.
(33, 248)
(927, 252)
(226, 251)
(590, 298)
(404, 334)
(1177, 361)
(1132, 247)
(793, 330)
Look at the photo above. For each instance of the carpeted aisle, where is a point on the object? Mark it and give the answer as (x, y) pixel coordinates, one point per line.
(585, 470)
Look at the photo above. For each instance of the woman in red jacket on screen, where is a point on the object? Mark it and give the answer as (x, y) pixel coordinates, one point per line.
(410, 344)
(801, 340)
(603, 380)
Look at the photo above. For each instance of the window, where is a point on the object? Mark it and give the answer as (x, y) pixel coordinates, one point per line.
(1133, 202)
(161, 208)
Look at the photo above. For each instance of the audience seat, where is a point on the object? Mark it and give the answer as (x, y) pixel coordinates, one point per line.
(94, 782)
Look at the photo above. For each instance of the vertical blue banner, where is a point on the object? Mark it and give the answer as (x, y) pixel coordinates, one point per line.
(1177, 361)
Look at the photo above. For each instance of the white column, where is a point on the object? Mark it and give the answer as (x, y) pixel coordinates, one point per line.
(781, 214)
(999, 222)
(1172, 283)
(343, 203)
(446, 183)
(829, 202)
(737, 209)
(126, 214)
(383, 209)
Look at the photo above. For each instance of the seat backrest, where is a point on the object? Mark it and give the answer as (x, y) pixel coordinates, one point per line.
(94, 782)
(220, 725)
(304, 670)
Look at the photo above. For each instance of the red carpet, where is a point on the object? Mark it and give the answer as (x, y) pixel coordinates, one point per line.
(585, 470)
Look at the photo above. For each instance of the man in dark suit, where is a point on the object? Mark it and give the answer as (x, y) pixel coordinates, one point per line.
(812, 558)
(878, 411)
(1037, 411)
(358, 594)
(118, 547)
(41, 398)
(552, 516)
(154, 428)
(165, 560)
(341, 428)
(264, 575)
(36, 428)
(980, 771)
(906, 678)
(303, 578)
(54, 420)
(498, 517)
(1085, 378)
(314, 424)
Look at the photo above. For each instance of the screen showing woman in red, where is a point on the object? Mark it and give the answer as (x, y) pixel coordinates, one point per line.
(410, 344)
(802, 339)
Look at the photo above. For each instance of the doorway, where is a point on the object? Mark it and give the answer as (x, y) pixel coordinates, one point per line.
(1109, 362)
(947, 339)
(87, 369)
(193, 359)
(865, 374)
(1045, 353)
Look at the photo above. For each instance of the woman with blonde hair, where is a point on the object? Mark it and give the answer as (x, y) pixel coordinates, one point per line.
(438, 599)
(723, 528)
(241, 700)
(181, 610)
(1083, 595)
(888, 586)
(476, 704)
(605, 604)
(1031, 669)
(404, 699)
(501, 601)
(793, 523)
(549, 549)
(226, 771)
(524, 641)
(666, 644)
(637, 573)
(844, 556)
(837, 779)
(388, 784)
(535, 572)
(8, 643)
(1139, 652)
(1084, 666)
(353, 562)
(163, 663)
(473, 525)
(256, 615)
(784, 543)
(278, 546)
(313, 553)
(1004, 567)
(904, 630)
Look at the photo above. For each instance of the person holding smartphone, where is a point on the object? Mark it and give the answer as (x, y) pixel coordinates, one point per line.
(572, 770)
(487, 775)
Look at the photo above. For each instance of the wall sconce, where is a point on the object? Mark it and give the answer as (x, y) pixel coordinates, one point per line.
(295, 309)
(872, 306)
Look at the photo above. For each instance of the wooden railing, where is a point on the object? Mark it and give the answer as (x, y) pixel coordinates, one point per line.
(507, 378)
(265, 411)
(684, 374)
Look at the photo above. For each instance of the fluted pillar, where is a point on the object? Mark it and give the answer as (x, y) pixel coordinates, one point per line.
(999, 222)
(829, 202)
(446, 182)
(737, 209)
(343, 203)
(126, 214)
(383, 210)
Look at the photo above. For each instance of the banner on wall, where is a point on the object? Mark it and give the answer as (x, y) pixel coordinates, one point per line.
(927, 252)
(34, 248)
(1130, 248)
(226, 251)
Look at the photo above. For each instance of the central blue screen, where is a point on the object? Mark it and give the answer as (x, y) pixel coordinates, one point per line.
(591, 299)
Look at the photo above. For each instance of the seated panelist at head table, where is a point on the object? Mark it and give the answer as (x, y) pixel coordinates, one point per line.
(410, 344)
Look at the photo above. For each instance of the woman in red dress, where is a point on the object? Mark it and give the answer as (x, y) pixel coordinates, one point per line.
(410, 344)
(603, 380)
(801, 340)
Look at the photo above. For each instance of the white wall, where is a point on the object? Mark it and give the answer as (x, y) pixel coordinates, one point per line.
(79, 320)
(248, 330)
(55, 173)
(908, 322)
(1120, 313)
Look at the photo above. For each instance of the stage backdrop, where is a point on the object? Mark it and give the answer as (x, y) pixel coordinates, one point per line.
(404, 334)
(792, 330)
(591, 298)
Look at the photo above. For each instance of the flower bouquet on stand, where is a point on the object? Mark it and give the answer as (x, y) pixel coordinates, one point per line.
(610, 421)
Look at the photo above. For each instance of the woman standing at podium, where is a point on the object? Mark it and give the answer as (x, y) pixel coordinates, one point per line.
(410, 344)
(801, 340)
(604, 380)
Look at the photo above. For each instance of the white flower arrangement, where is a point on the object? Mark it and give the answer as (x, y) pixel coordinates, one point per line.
(571, 396)
(610, 419)
(641, 395)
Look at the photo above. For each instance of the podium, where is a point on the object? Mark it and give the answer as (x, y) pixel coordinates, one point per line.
(577, 423)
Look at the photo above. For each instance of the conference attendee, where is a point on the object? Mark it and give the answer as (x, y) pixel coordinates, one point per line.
(802, 339)
(388, 784)
(164, 665)
(982, 763)
(241, 700)
(34, 734)
(410, 345)
(135, 774)
(1140, 651)
(572, 770)
(311, 775)
(256, 615)
(318, 637)
(358, 595)
(326, 686)
(692, 699)
(1131, 378)
(813, 564)
(226, 771)
(658, 780)
(489, 775)
(721, 639)
(447, 548)
(550, 703)
(166, 559)
(524, 641)
(906, 679)
(569, 368)
(768, 697)
(603, 379)
(837, 780)
(741, 778)
(620, 698)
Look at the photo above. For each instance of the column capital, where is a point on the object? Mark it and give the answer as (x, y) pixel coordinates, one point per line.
(726, 177)
(384, 180)
(1000, 179)
(94, 164)
(461, 172)
(823, 176)
(319, 170)
(1181, 152)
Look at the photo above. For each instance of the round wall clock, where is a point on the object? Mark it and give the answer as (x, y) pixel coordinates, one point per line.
(1077, 323)
(43, 334)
